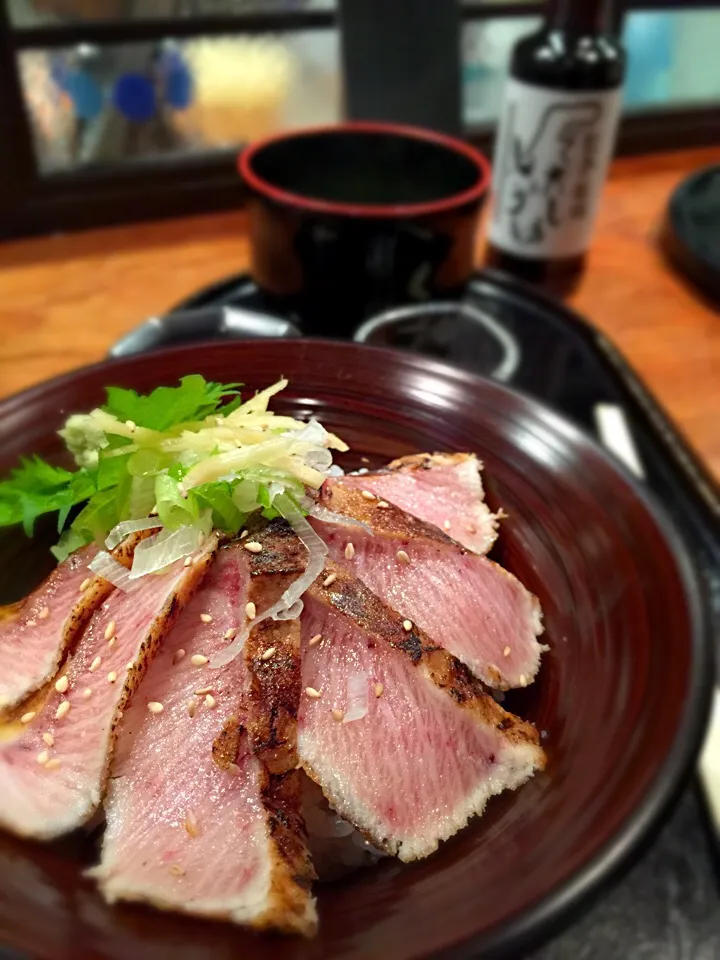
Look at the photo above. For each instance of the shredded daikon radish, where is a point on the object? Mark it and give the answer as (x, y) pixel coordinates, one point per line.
(164, 548)
(111, 570)
(122, 529)
(289, 606)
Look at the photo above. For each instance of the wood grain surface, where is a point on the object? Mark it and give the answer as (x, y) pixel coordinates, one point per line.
(64, 299)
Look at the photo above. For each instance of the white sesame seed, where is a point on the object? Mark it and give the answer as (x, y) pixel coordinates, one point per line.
(253, 546)
(200, 538)
(178, 655)
(49, 739)
(244, 534)
(85, 584)
(63, 710)
(52, 764)
(368, 495)
(129, 665)
(337, 714)
(198, 660)
(201, 691)
(312, 693)
(155, 707)
(131, 425)
(188, 561)
(446, 525)
(62, 684)
(523, 680)
(209, 700)
(330, 580)
(231, 633)
(379, 687)
(191, 825)
(111, 642)
(268, 653)
(206, 618)
(233, 769)
(315, 640)
(506, 652)
(31, 623)
(407, 625)
(44, 613)
(112, 676)
(43, 757)
(87, 693)
(350, 551)
(176, 870)
(110, 630)
(383, 503)
(402, 556)
(191, 707)
(28, 717)
(95, 664)
(250, 610)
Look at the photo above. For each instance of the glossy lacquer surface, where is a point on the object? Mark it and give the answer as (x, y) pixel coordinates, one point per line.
(622, 694)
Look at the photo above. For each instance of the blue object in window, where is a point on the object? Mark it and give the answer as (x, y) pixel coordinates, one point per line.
(85, 93)
(179, 86)
(134, 97)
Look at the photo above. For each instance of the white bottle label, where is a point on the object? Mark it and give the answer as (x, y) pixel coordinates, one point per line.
(551, 160)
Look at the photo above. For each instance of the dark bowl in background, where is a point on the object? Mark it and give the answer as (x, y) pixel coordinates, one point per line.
(622, 695)
(346, 220)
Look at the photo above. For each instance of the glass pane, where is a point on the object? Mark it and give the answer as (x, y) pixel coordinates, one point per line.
(486, 46)
(115, 104)
(32, 13)
(672, 57)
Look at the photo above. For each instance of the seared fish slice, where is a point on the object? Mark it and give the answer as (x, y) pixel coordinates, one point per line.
(35, 633)
(444, 489)
(432, 748)
(195, 821)
(53, 773)
(469, 605)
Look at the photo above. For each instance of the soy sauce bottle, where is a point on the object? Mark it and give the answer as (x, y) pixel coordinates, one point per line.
(555, 139)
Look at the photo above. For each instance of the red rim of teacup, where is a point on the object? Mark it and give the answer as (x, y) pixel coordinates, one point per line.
(268, 190)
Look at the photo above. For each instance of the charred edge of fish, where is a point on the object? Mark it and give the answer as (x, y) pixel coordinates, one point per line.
(281, 798)
(426, 461)
(412, 646)
(346, 600)
(227, 743)
(275, 683)
(275, 738)
(350, 597)
(282, 552)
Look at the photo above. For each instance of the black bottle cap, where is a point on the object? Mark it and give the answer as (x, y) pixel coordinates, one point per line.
(690, 234)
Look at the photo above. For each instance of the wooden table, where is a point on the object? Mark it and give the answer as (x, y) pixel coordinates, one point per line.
(65, 299)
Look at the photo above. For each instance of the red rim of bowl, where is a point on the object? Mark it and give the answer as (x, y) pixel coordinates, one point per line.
(287, 197)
